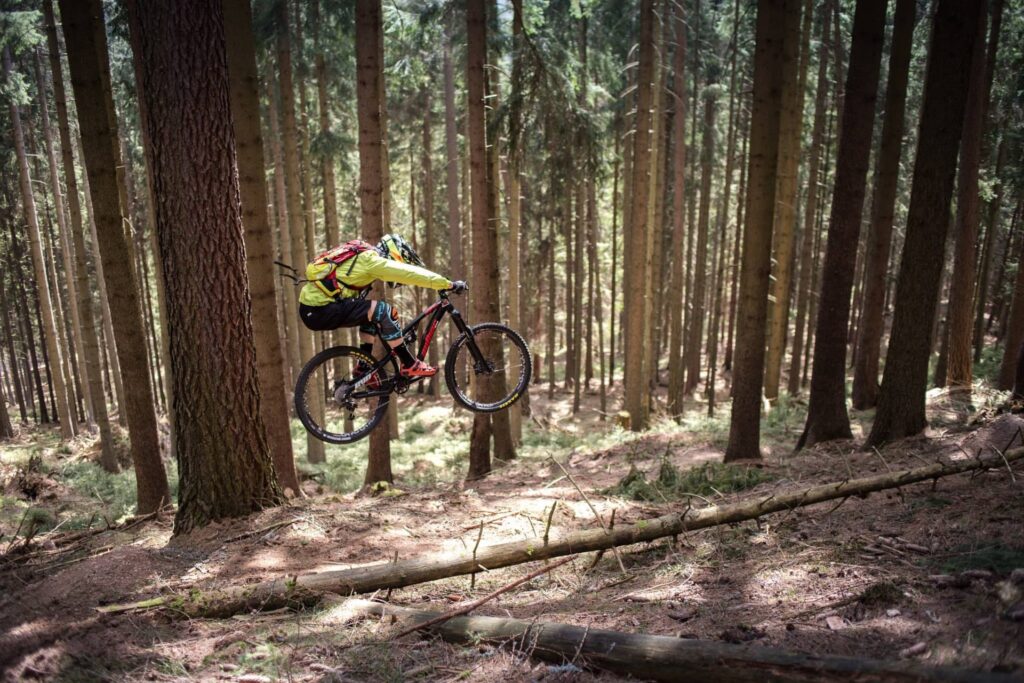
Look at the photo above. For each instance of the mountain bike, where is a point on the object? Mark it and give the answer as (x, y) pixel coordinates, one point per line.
(342, 393)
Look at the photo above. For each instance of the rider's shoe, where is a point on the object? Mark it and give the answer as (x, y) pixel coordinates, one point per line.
(418, 369)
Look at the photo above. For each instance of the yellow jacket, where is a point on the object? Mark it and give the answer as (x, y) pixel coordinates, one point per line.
(369, 266)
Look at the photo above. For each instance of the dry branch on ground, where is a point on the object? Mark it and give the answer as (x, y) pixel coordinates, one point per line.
(306, 588)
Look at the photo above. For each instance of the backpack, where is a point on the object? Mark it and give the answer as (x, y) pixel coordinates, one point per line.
(323, 270)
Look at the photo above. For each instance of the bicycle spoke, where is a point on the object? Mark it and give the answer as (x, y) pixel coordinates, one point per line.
(501, 377)
(331, 405)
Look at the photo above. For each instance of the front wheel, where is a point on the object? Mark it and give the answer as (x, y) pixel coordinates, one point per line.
(334, 401)
(494, 380)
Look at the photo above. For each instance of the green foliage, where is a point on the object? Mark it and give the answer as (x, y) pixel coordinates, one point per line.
(999, 558)
(987, 368)
(114, 492)
(707, 480)
(882, 594)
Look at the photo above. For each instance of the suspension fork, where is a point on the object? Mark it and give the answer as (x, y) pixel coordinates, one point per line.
(465, 329)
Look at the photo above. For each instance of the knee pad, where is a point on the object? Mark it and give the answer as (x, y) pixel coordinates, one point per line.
(386, 318)
(368, 328)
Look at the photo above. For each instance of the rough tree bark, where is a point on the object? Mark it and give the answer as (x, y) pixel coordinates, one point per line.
(901, 402)
(300, 248)
(485, 300)
(698, 294)
(514, 199)
(810, 216)
(85, 37)
(960, 328)
(883, 203)
(826, 412)
(663, 658)
(676, 369)
(259, 251)
(635, 301)
(456, 264)
(752, 313)
(224, 462)
(369, 106)
(429, 250)
(784, 223)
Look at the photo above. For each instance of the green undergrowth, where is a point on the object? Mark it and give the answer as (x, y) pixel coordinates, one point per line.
(997, 557)
(433, 447)
(46, 486)
(986, 369)
(707, 480)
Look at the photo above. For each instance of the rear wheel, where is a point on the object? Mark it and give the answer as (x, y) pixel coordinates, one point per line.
(353, 404)
(495, 381)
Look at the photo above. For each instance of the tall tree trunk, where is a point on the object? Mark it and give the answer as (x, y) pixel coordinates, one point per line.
(734, 277)
(259, 253)
(1008, 368)
(901, 402)
(43, 281)
(784, 228)
(883, 202)
(752, 314)
(696, 331)
(636, 303)
(32, 378)
(515, 304)
(224, 460)
(723, 209)
(616, 159)
(968, 211)
(369, 73)
(107, 341)
(655, 222)
(451, 145)
(504, 448)
(982, 290)
(429, 249)
(327, 157)
(293, 360)
(485, 242)
(67, 255)
(297, 218)
(810, 216)
(12, 359)
(826, 413)
(85, 37)
(676, 368)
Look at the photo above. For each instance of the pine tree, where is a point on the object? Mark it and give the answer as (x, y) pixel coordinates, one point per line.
(85, 37)
(752, 313)
(869, 331)
(224, 462)
(245, 111)
(826, 412)
(901, 401)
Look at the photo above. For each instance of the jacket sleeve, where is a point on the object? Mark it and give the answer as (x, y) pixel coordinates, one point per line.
(406, 274)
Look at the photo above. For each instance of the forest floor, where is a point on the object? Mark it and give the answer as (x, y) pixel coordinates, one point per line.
(922, 572)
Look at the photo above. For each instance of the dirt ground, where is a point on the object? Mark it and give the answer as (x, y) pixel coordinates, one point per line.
(924, 572)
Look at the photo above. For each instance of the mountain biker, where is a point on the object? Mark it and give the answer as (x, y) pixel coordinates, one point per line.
(339, 280)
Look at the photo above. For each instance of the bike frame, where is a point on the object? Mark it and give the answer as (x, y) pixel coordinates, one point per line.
(435, 313)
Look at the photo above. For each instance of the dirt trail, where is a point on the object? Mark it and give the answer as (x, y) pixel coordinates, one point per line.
(857, 580)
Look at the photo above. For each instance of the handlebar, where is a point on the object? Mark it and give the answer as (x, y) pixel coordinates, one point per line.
(458, 287)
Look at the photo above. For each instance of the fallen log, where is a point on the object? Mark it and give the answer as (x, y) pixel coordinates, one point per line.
(305, 589)
(664, 658)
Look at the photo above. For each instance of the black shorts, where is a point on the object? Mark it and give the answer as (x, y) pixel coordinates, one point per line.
(341, 313)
